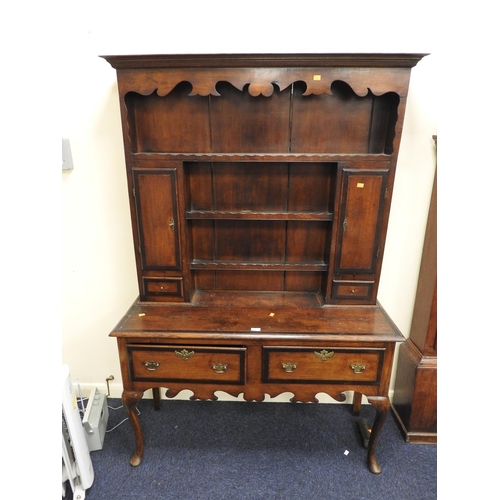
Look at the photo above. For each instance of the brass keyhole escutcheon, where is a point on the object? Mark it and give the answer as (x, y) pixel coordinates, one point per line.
(357, 367)
(288, 367)
(219, 368)
(184, 354)
(152, 365)
(172, 223)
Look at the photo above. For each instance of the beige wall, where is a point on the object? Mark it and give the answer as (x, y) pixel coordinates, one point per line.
(98, 270)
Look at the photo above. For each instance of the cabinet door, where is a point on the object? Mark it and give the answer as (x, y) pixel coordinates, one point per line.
(158, 221)
(361, 209)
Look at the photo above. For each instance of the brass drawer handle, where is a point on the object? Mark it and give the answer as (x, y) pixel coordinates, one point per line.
(151, 365)
(172, 224)
(357, 368)
(324, 354)
(288, 367)
(184, 354)
(219, 368)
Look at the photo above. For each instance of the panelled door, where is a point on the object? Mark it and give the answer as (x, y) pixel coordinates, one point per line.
(158, 218)
(158, 234)
(363, 193)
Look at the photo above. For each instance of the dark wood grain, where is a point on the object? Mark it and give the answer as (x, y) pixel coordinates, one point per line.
(415, 388)
(260, 188)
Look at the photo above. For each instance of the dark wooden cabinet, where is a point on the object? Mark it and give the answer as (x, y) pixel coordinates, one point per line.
(358, 245)
(260, 190)
(415, 388)
(158, 241)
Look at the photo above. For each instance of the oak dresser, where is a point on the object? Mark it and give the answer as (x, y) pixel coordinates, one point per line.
(260, 187)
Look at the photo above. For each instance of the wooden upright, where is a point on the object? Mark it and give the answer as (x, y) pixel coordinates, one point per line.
(260, 187)
(415, 390)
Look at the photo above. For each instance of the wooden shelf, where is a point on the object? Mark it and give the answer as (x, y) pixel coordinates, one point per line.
(250, 299)
(208, 265)
(249, 215)
(265, 157)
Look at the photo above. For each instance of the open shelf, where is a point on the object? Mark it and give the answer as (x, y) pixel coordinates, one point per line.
(250, 299)
(235, 122)
(258, 266)
(207, 156)
(259, 225)
(248, 215)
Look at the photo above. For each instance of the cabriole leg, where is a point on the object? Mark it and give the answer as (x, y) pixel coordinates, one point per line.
(130, 399)
(381, 405)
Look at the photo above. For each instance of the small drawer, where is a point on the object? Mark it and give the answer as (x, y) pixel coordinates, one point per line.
(170, 288)
(322, 364)
(357, 290)
(187, 363)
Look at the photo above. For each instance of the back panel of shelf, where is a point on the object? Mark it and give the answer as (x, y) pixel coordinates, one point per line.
(288, 121)
(260, 226)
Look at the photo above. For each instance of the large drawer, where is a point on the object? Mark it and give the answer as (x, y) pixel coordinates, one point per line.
(322, 364)
(187, 363)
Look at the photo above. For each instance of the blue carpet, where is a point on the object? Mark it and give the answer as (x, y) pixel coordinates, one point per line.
(233, 450)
